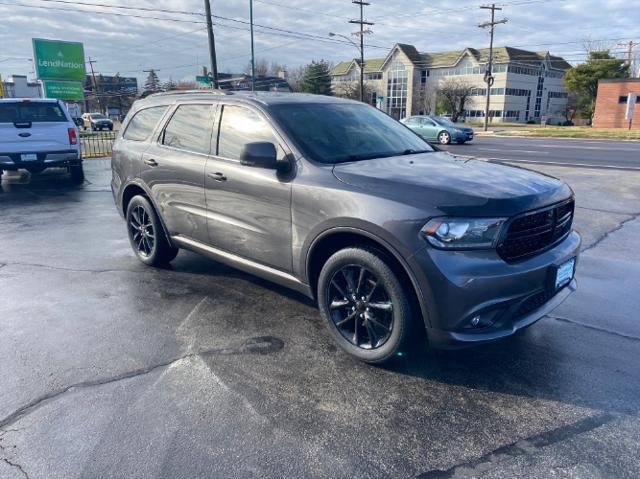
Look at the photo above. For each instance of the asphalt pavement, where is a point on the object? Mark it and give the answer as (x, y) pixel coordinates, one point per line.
(554, 151)
(112, 369)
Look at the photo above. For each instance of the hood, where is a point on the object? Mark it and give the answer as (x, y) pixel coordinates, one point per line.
(454, 186)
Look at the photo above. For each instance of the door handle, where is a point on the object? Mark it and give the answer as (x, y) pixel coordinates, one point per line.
(150, 162)
(217, 176)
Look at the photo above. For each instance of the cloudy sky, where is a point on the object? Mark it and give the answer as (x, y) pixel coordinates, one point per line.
(170, 35)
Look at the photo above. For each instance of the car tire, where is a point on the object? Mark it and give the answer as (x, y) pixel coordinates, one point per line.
(146, 234)
(444, 138)
(77, 173)
(374, 334)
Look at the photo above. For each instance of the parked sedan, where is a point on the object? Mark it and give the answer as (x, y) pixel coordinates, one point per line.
(437, 128)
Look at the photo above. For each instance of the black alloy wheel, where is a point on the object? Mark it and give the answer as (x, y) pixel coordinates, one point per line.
(361, 308)
(146, 234)
(142, 232)
(365, 305)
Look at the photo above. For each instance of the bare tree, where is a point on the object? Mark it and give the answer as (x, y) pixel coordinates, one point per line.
(426, 98)
(262, 68)
(351, 90)
(454, 93)
(295, 76)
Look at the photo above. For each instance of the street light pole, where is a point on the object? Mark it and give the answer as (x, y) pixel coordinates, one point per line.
(253, 58)
(212, 43)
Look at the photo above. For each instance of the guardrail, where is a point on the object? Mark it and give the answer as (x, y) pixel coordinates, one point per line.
(96, 144)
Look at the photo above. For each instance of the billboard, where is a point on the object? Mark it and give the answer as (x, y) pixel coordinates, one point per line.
(63, 90)
(58, 60)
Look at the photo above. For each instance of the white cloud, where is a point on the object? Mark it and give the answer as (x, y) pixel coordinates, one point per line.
(130, 45)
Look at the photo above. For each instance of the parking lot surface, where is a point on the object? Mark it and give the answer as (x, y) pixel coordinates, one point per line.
(114, 369)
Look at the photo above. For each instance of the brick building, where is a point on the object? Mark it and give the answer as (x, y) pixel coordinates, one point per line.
(611, 103)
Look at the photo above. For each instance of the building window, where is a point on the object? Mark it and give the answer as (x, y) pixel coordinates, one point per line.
(424, 74)
(558, 94)
(374, 98)
(374, 76)
(397, 90)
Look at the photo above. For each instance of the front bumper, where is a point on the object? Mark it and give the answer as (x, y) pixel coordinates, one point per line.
(458, 286)
(463, 136)
(58, 158)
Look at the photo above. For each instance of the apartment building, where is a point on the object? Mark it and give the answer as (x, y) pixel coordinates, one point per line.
(527, 85)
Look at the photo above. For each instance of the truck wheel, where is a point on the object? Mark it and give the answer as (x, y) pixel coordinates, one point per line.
(77, 173)
(365, 305)
(146, 234)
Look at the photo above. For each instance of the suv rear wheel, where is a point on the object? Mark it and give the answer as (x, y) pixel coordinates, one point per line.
(365, 305)
(146, 234)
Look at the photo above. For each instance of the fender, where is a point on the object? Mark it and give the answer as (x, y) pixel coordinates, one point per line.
(387, 246)
(144, 187)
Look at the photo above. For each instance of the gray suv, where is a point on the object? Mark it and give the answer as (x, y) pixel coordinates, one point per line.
(339, 201)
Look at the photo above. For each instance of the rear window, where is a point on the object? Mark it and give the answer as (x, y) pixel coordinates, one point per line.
(143, 123)
(31, 112)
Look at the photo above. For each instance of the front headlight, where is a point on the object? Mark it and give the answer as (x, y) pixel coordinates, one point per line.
(463, 233)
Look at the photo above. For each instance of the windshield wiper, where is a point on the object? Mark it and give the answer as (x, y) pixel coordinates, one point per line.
(415, 152)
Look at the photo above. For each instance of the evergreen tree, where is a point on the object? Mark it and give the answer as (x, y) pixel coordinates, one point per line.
(152, 84)
(316, 78)
(583, 79)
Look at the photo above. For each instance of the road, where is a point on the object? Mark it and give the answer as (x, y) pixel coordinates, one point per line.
(113, 369)
(598, 153)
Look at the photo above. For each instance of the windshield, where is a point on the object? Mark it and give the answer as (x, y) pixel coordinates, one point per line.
(98, 116)
(445, 121)
(23, 112)
(339, 132)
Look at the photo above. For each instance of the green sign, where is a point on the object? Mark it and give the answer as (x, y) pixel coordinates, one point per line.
(56, 60)
(63, 90)
(204, 81)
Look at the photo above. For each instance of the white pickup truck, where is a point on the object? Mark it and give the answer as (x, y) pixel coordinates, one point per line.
(36, 134)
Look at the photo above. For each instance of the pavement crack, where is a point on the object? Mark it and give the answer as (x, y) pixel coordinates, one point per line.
(74, 270)
(257, 345)
(519, 448)
(626, 213)
(611, 231)
(16, 465)
(595, 328)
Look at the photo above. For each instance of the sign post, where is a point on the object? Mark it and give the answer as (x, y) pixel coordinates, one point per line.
(61, 68)
(631, 103)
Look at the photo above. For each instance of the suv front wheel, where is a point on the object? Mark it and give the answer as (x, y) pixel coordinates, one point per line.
(365, 305)
(146, 234)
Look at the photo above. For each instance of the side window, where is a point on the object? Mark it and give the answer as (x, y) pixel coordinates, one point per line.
(239, 126)
(428, 122)
(143, 123)
(189, 129)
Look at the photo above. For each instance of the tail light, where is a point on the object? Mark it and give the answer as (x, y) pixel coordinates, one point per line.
(73, 136)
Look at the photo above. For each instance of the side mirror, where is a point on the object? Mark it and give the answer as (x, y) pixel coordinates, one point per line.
(261, 154)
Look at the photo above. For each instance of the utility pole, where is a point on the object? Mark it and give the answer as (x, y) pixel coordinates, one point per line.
(95, 85)
(212, 43)
(488, 75)
(253, 58)
(630, 46)
(362, 31)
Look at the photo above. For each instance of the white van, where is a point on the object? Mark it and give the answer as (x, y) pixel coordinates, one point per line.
(36, 134)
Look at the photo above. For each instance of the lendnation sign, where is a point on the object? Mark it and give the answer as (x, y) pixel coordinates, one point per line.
(57, 60)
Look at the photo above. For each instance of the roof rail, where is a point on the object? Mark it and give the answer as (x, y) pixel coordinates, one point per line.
(186, 92)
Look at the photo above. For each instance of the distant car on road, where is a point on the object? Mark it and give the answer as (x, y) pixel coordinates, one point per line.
(96, 122)
(36, 134)
(438, 128)
(337, 200)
